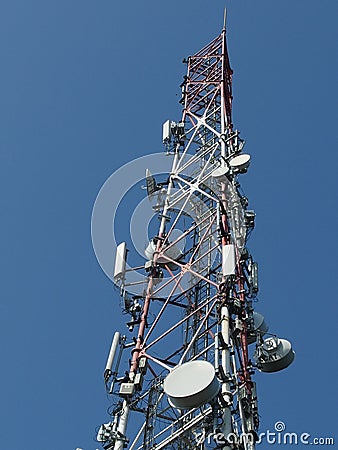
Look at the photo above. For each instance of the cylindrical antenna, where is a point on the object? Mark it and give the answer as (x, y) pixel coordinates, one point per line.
(111, 356)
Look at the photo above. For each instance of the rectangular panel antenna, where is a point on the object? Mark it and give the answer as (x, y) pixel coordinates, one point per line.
(166, 136)
(120, 261)
(228, 260)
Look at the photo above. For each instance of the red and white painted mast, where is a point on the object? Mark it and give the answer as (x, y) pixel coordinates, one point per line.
(192, 323)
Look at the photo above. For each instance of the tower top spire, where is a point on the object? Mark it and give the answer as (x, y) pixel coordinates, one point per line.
(224, 19)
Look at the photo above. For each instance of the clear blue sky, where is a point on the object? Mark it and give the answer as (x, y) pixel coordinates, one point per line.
(85, 87)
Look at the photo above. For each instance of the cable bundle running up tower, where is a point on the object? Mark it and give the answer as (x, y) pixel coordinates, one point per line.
(195, 339)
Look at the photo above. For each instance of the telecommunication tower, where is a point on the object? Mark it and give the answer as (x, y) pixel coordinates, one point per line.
(195, 340)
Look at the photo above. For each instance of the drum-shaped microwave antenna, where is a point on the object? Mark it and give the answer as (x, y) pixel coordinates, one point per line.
(172, 252)
(240, 163)
(191, 384)
(274, 354)
(260, 327)
(220, 173)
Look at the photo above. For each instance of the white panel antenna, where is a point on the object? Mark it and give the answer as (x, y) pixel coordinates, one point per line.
(111, 356)
(120, 261)
(228, 260)
(166, 131)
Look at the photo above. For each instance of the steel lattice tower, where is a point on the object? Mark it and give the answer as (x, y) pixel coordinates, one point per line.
(200, 285)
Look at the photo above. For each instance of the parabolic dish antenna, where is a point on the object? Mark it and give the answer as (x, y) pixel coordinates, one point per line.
(260, 327)
(220, 173)
(240, 162)
(274, 354)
(191, 384)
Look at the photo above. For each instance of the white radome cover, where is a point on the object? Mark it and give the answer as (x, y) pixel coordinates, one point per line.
(191, 384)
(240, 161)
